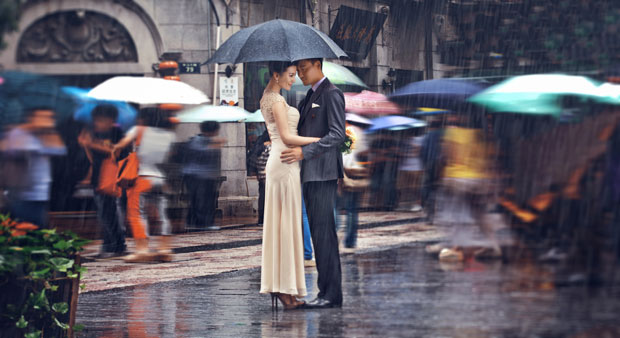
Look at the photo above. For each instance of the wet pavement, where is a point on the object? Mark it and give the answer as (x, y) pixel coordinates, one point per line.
(238, 248)
(399, 292)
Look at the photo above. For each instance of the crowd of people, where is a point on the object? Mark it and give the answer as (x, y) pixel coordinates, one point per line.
(121, 198)
(453, 171)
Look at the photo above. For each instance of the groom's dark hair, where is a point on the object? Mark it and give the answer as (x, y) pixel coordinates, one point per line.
(312, 61)
(278, 66)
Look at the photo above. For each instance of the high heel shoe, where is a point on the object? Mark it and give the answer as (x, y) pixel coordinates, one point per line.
(292, 304)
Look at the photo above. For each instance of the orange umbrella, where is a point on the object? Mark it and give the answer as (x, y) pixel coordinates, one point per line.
(370, 103)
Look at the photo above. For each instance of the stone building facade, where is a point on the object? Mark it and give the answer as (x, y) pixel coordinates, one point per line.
(88, 41)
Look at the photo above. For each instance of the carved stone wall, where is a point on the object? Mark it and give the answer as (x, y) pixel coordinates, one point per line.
(76, 36)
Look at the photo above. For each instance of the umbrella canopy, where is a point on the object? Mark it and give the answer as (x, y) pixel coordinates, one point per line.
(438, 93)
(256, 116)
(277, 40)
(147, 90)
(395, 122)
(354, 118)
(22, 91)
(430, 112)
(338, 75)
(126, 113)
(540, 94)
(369, 103)
(213, 113)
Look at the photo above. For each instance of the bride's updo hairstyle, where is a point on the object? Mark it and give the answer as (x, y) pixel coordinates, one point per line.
(278, 67)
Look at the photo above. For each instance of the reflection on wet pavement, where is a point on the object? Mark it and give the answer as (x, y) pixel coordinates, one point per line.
(396, 293)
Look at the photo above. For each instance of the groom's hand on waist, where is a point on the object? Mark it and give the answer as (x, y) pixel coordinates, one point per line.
(292, 155)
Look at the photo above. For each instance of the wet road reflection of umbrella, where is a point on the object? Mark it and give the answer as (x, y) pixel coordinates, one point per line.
(541, 94)
(277, 40)
(147, 90)
(126, 113)
(395, 122)
(439, 93)
(369, 103)
(213, 113)
(256, 116)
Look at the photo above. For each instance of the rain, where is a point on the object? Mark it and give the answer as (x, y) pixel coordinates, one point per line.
(309, 168)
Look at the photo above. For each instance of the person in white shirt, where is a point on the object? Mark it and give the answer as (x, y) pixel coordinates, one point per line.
(155, 140)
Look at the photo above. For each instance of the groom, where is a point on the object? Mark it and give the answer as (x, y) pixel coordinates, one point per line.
(322, 115)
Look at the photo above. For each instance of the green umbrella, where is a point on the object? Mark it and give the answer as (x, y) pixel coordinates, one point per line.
(256, 116)
(213, 113)
(540, 94)
(339, 75)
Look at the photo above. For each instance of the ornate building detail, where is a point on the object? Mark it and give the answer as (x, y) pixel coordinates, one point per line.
(76, 36)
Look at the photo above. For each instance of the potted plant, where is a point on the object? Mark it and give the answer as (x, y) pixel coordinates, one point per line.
(39, 280)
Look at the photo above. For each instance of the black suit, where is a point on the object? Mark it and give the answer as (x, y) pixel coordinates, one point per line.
(322, 115)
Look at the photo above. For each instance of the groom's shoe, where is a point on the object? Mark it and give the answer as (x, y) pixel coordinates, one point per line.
(321, 303)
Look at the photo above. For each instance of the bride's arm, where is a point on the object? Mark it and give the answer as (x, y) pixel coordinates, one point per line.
(280, 115)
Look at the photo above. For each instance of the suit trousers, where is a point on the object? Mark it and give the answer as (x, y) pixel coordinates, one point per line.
(320, 200)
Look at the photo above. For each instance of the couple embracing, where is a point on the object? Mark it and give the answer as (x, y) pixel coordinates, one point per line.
(304, 158)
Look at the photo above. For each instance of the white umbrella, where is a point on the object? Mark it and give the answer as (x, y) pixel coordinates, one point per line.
(354, 118)
(147, 90)
(256, 116)
(213, 113)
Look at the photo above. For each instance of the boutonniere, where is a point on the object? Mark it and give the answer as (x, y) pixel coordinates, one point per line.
(314, 105)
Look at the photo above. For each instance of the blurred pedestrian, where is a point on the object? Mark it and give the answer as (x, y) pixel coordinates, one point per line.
(202, 157)
(153, 141)
(385, 158)
(469, 184)
(98, 142)
(354, 184)
(258, 161)
(431, 157)
(412, 171)
(27, 173)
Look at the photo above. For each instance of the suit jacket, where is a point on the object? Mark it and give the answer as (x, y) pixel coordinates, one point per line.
(323, 116)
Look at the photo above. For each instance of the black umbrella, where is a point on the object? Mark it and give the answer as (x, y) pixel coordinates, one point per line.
(277, 40)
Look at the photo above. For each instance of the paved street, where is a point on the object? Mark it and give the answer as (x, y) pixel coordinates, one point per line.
(392, 288)
(238, 247)
(399, 292)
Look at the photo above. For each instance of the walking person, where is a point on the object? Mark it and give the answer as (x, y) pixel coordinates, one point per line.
(258, 161)
(98, 143)
(202, 156)
(356, 181)
(282, 265)
(432, 161)
(153, 141)
(27, 170)
(322, 116)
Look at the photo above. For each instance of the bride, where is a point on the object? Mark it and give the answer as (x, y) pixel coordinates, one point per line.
(282, 267)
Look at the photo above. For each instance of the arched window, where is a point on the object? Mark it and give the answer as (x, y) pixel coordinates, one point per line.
(76, 36)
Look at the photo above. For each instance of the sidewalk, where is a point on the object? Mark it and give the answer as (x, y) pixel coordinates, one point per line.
(238, 247)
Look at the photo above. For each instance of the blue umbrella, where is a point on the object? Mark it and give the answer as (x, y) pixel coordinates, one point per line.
(439, 93)
(22, 91)
(126, 113)
(395, 122)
